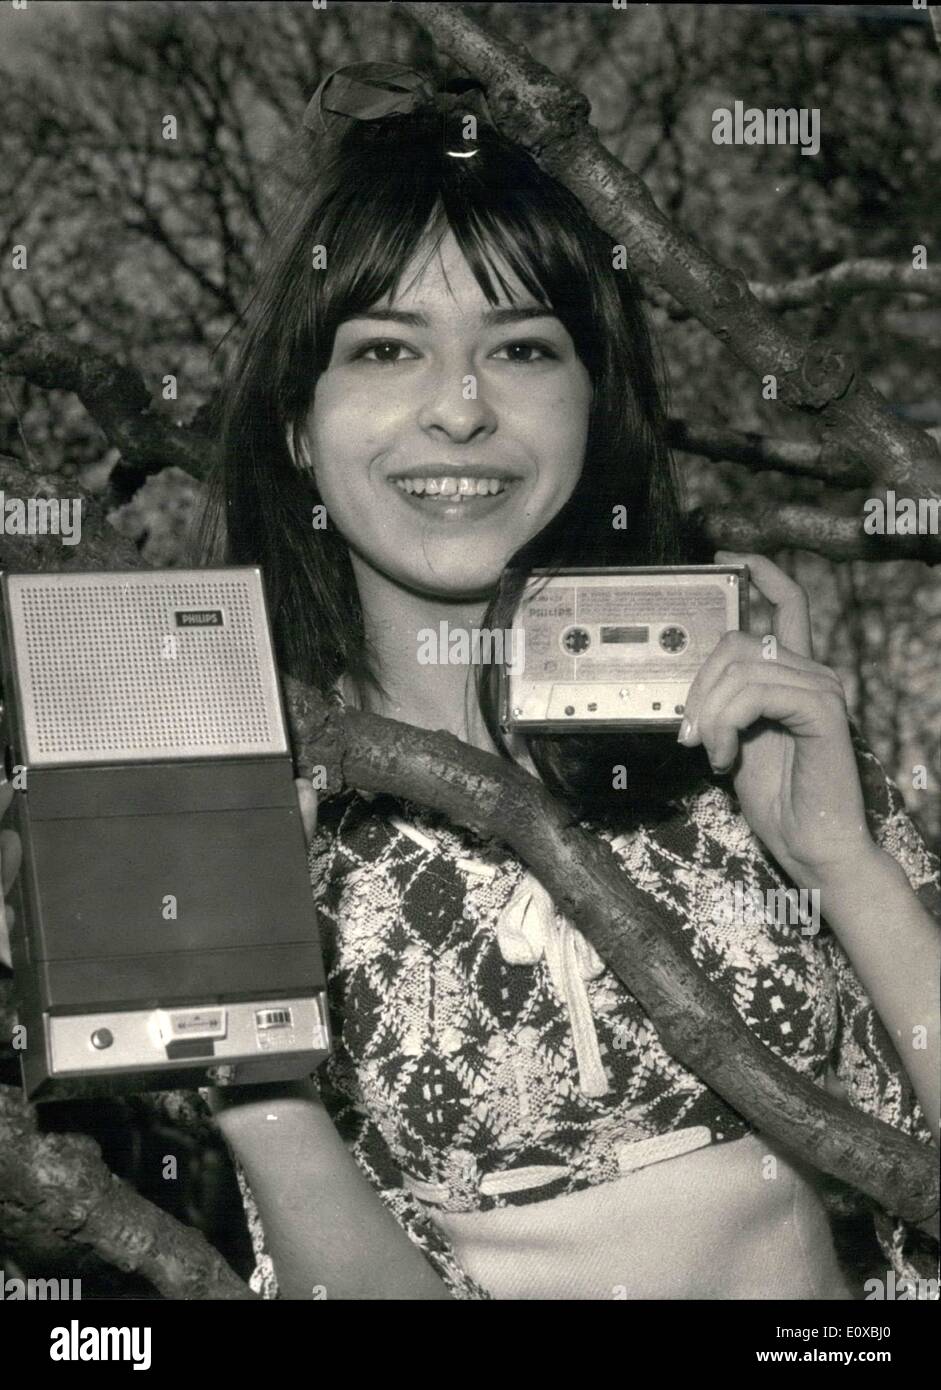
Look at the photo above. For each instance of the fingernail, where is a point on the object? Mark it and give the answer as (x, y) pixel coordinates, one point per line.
(686, 729)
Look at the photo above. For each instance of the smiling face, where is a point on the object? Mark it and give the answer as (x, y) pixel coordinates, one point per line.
(446, 432)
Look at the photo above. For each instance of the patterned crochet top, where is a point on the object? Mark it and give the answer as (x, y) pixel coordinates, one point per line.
(484, 1055)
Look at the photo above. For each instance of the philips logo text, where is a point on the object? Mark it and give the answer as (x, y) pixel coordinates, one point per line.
(199, 617)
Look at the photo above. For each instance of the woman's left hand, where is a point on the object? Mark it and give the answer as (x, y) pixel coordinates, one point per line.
(766, 711)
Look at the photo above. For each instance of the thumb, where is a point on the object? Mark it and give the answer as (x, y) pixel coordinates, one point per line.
(307, 799)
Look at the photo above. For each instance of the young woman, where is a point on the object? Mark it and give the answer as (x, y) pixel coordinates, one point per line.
(441, 354)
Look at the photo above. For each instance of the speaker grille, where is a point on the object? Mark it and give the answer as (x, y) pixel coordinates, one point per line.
(107, 672)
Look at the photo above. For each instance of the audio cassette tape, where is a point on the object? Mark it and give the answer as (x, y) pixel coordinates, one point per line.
(615, 648)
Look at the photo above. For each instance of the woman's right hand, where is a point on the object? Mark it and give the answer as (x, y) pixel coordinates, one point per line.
(11, 854)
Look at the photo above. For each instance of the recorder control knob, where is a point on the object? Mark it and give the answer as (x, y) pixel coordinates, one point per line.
(102, 1038)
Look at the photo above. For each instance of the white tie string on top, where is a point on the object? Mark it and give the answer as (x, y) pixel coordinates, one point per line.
(528, 928)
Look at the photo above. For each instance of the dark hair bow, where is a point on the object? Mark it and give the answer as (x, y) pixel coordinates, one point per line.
(372, 91)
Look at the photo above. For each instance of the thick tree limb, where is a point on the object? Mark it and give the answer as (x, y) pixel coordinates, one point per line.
(547, 116)
(113, 394)
(758, 451)
(695, 1022)
(99, 547)
(59, 1182)
(790, 526)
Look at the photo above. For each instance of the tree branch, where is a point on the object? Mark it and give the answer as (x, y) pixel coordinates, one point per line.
(100, 547)
(58, 1182)
(846, 279)
(790, 526)
(836, 283)
(542, 112)
(815, 459)
(113, 394)
(696, 1023)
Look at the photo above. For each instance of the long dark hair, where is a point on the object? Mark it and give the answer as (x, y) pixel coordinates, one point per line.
(371, 199)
